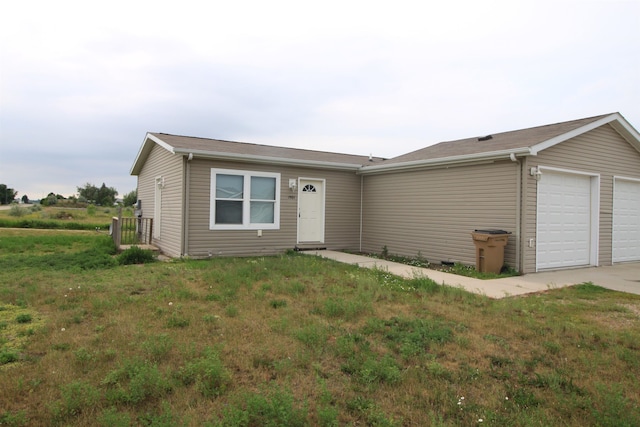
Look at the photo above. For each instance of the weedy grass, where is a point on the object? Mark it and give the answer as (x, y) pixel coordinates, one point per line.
(60, 217)
(296, 340)
(455, 268)
(136, 255)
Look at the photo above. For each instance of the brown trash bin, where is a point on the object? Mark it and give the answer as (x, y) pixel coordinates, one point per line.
(490, 249)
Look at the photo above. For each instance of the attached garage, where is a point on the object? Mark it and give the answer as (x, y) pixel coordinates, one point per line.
(568, 193)
(567, 212)
(626, 220)
(551, 186)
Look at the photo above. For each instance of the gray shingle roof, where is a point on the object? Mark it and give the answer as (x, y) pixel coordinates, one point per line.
(217, 146)
(499, 146)
(498, 142)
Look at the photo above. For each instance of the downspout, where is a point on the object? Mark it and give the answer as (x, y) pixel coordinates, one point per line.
(519, 166)
(185, 204)
(361, 198)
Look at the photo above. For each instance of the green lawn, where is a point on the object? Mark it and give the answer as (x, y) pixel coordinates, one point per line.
(296, 340)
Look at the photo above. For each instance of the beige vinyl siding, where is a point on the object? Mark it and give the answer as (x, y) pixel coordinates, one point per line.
(434, 211)
(342, 212)
(169, 166)
(601, 151)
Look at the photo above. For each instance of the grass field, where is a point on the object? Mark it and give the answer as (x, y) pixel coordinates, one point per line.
(296, 340)
(58, 217)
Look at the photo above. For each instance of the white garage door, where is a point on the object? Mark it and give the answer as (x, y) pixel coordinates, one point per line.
(564, 220)
(626, 220)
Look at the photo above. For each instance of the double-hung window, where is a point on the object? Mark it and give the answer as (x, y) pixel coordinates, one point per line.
(244, 200)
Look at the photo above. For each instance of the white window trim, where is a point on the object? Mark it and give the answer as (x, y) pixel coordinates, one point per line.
(246, 201)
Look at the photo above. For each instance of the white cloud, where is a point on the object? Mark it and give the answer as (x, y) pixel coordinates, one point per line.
(81, 82)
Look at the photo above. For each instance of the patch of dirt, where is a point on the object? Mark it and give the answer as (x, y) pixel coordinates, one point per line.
(619, 319)
(634, 308)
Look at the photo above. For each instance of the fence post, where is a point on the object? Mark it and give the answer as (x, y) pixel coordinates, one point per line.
(115, 231)
(119, 226)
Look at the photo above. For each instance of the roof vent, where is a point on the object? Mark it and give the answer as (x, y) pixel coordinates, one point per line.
(485, 138)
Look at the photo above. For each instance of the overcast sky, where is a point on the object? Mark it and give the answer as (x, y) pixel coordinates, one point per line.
(82, 82)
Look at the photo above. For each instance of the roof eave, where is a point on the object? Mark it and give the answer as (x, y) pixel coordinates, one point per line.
(268, 160)
(626, 130)
(144, 151)
(448, 161)
(616, 120)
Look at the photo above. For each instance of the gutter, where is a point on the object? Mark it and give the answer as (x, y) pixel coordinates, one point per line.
(447, 161)
(268, 160)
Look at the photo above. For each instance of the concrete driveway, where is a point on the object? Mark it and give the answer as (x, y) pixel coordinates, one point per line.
(620, 277)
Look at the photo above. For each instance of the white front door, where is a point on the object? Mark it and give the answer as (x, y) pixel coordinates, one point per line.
(564, 220)
(626, 220)
(310, 211)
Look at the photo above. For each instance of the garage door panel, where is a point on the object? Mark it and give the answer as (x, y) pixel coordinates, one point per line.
(626, 221)
(564, 220)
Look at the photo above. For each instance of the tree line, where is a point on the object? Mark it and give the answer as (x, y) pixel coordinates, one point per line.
(89, 193)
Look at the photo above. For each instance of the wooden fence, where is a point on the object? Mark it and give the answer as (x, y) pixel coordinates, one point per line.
(131, 231)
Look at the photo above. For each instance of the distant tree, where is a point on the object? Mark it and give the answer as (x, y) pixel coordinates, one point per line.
(105, 196)
(25, 199)
(51, 199)
(130, 198)
(88, 193)
(7, 194)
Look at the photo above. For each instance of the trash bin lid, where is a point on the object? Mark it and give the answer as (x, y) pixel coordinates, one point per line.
(492, 231)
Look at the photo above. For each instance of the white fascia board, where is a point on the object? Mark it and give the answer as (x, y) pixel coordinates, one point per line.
(144, 150)
(627, 131)
(161, 143)
(268, 160)
(535, 149)
(447, 161)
